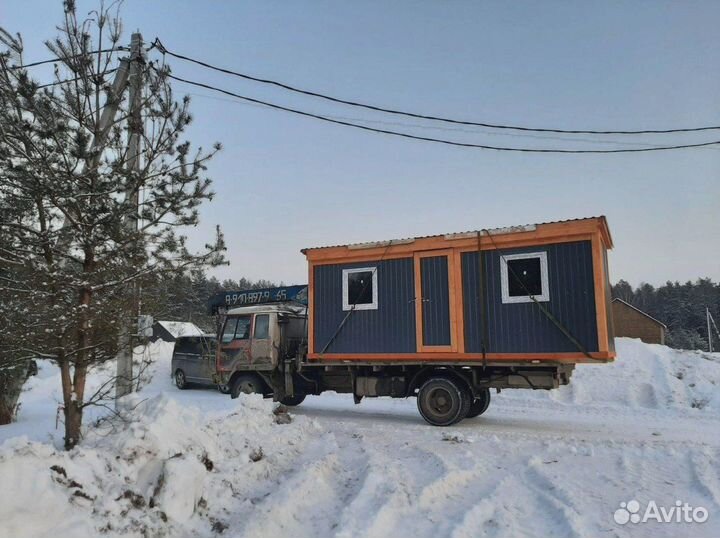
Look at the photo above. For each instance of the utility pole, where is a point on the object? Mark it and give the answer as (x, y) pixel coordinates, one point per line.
(124, 382)
(107, 118)
(710, 319)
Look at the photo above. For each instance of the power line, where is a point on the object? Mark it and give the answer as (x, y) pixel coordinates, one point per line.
(439, 127)
(430, 139)
(449, 129)
(158, 44)
(109, 71)
(53, 60)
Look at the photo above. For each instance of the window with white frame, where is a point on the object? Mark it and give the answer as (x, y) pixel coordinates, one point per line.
(524, 276)
(360, 288)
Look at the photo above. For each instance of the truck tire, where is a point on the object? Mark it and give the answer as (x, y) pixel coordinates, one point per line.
(292, 401)
(443, 401)
(247, 384)
(180, 380)
(480, 404)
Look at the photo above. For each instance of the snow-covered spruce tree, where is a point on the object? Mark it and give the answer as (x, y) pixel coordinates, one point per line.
(71, 249)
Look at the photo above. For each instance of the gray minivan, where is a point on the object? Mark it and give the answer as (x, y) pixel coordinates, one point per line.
(193, 361)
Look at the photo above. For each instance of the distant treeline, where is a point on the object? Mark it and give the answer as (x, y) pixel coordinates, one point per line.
(185, 298)
(679, 306)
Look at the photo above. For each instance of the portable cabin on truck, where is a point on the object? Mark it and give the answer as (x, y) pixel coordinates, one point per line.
(446, 318)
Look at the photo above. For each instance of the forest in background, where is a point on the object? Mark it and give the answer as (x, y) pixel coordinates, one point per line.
(679, 306)
(185, 297)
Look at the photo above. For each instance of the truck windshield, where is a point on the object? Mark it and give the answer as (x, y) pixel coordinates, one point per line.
(229, 331)
(236, 329)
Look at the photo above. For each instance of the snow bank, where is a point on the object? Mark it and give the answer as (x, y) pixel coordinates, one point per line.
(166, 473)
(643, 376)
(196, 463)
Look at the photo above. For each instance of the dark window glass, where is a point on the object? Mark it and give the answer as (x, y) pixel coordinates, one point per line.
(524, 277)
(360, 288)
(229, 331)
(188, 345)
(262, 327)
(209, 344)
(242, 332)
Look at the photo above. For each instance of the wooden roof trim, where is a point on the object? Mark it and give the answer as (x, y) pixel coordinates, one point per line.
(605, 232)
(541, 233)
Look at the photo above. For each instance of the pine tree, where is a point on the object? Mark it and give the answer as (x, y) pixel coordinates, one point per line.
(69, 258)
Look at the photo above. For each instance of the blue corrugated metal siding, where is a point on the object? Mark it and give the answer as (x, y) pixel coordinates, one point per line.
(436, 301)
(389, 329)
(522, 327)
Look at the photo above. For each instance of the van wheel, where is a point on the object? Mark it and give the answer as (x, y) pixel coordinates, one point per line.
(246, 384)
(180, 381)
(480, 404)
(224, 389)
(443, 401)
(292, 401)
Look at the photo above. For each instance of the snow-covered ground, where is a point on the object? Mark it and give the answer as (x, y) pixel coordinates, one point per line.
(196, 463)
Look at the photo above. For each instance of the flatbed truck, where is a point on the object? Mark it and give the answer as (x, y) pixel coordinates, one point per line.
(443, 319)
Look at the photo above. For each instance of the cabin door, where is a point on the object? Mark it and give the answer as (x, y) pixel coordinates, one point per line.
(434, 301)
(234, 345)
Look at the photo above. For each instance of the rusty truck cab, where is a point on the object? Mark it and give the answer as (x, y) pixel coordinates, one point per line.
(256, 338)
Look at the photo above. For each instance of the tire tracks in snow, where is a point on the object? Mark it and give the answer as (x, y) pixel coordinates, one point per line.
(304, 493)
(387, 499)
(705, 475)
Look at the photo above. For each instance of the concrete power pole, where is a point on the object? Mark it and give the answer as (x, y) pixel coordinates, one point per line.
(124, 382)
(707, 315)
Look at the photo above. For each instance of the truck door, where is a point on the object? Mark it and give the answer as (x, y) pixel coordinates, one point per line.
(261, 347)
(235, 343)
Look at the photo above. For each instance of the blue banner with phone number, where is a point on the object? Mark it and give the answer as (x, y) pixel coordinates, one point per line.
(229, 299)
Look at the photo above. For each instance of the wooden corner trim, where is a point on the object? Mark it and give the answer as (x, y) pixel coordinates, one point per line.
(599, 281)
(311, 308)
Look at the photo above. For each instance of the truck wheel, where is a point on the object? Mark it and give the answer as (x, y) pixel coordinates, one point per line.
(224, 389)
(292, 401)
(443, 401)
(180, 381)
(247, 384)
(480, 404)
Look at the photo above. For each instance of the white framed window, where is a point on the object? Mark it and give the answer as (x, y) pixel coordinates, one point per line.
(524, 276)
(360, 288)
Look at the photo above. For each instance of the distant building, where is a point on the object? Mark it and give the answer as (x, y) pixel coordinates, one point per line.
(169, 331)
(634, 323)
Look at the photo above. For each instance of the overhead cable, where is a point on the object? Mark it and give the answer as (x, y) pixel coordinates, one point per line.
(431, 139)
(71, 57)
(164, 50)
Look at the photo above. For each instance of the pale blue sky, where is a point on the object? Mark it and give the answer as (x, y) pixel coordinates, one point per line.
(286, 182)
